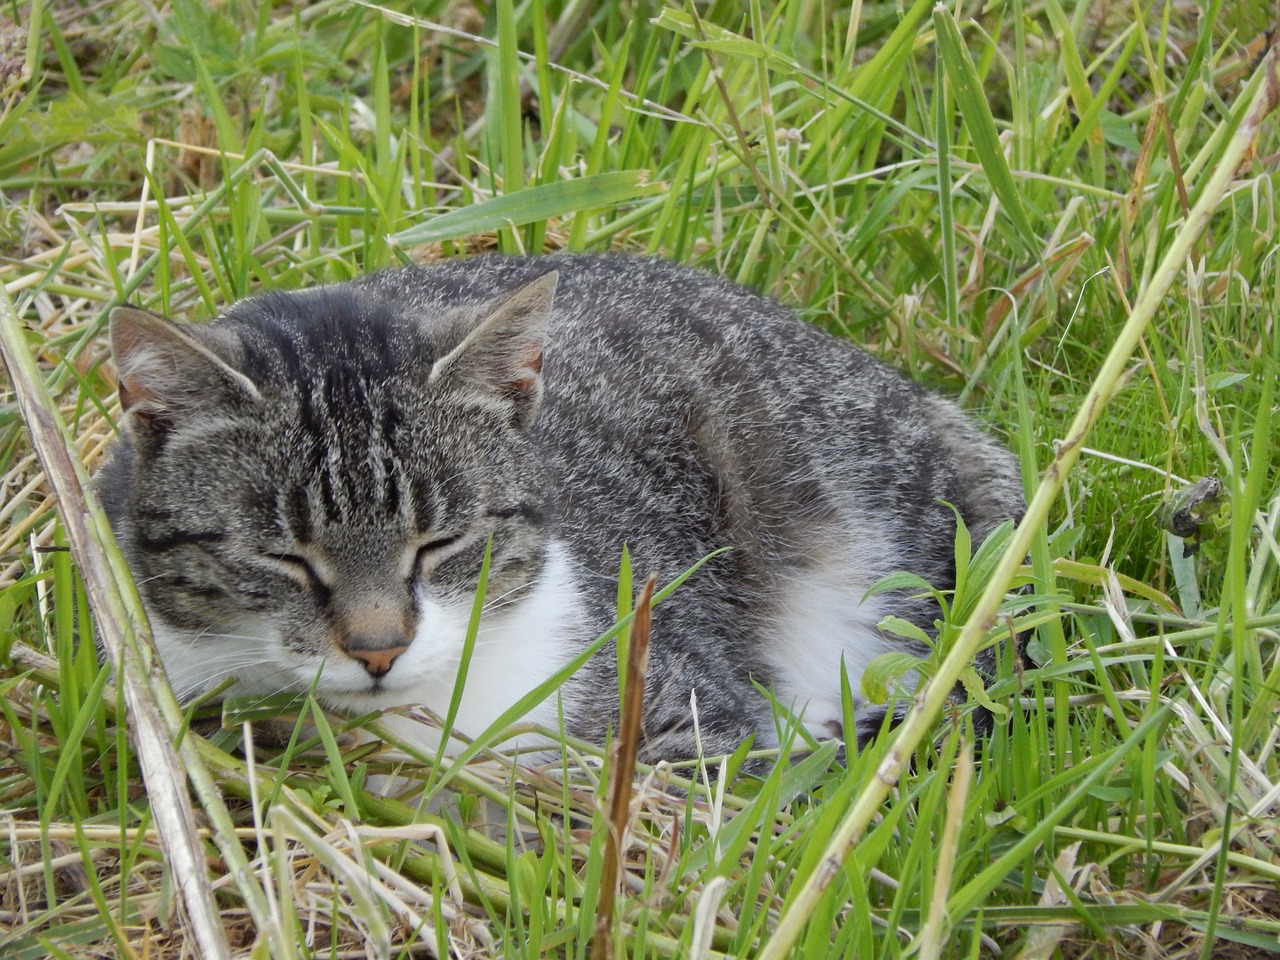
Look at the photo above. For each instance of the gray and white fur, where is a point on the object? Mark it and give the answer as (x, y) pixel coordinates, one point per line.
(307, 485)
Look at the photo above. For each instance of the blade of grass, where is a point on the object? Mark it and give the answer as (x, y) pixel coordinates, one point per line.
(946, 208)
(966, 86)
(540, 202)
(464, 663)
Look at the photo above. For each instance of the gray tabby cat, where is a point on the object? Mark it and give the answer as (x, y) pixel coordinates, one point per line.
(307, 486)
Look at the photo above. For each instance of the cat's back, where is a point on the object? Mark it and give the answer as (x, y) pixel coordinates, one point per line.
(636, 314)
(661, 380)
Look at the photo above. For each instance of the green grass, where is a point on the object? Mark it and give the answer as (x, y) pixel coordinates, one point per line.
(1004, 200)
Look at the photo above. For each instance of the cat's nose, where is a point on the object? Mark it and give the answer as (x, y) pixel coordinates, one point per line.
(377, 662)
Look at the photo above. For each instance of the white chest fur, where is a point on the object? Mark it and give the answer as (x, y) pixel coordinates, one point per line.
(821, 623)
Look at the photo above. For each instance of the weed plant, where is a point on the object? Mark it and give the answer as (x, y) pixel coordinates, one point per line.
(1063, 213)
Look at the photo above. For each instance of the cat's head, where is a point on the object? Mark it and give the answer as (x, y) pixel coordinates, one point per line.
(302, 482)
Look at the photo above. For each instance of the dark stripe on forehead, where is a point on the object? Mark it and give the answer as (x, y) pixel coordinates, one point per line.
(327, 499)
(343, 391)
(354, 430)
(389, 436)
(391, 422)
(295, 507)
(315, 459)
(293, 335)
(390, 485)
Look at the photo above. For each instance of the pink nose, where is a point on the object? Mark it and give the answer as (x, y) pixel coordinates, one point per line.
(377, 662)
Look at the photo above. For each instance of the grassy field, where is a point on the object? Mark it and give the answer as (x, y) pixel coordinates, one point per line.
(1063, 214)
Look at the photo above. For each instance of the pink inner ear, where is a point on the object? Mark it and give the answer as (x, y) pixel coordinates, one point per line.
(141, 402)
(132, 393)
(532, 363)
(127, 399)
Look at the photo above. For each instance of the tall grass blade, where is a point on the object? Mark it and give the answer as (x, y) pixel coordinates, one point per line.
(966, 86)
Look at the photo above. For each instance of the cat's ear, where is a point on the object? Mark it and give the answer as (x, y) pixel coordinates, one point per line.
(500, 361)
(166, 374)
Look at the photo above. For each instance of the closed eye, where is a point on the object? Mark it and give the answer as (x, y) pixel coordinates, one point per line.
(429, 549)
(302, 570)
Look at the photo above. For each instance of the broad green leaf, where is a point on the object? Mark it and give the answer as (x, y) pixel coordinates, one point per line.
(1091, 119)
(962, 551)
(1095, 575)
(1219, 381)
(901, 580)
(884, 671)
(542, 202)
(976, 689)
(1077, 80)
(710, 36)
(1111, 794)
(1118, 131)
(903, 628)
(625, 603)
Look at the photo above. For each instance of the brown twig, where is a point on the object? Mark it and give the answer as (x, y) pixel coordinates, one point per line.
(1171, 147)
(622, 772)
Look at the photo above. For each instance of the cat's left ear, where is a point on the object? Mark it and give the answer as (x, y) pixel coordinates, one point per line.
(171, 373)
(500, 361)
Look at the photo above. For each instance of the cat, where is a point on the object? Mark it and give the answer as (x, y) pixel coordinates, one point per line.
(305, 488)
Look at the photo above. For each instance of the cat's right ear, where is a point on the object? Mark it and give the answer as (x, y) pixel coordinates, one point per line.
(499, 362)
(167, 375)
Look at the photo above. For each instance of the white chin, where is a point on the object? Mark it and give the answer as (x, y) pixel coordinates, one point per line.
(366, 697)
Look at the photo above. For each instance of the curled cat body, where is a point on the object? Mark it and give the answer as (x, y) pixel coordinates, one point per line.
(306, 487)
